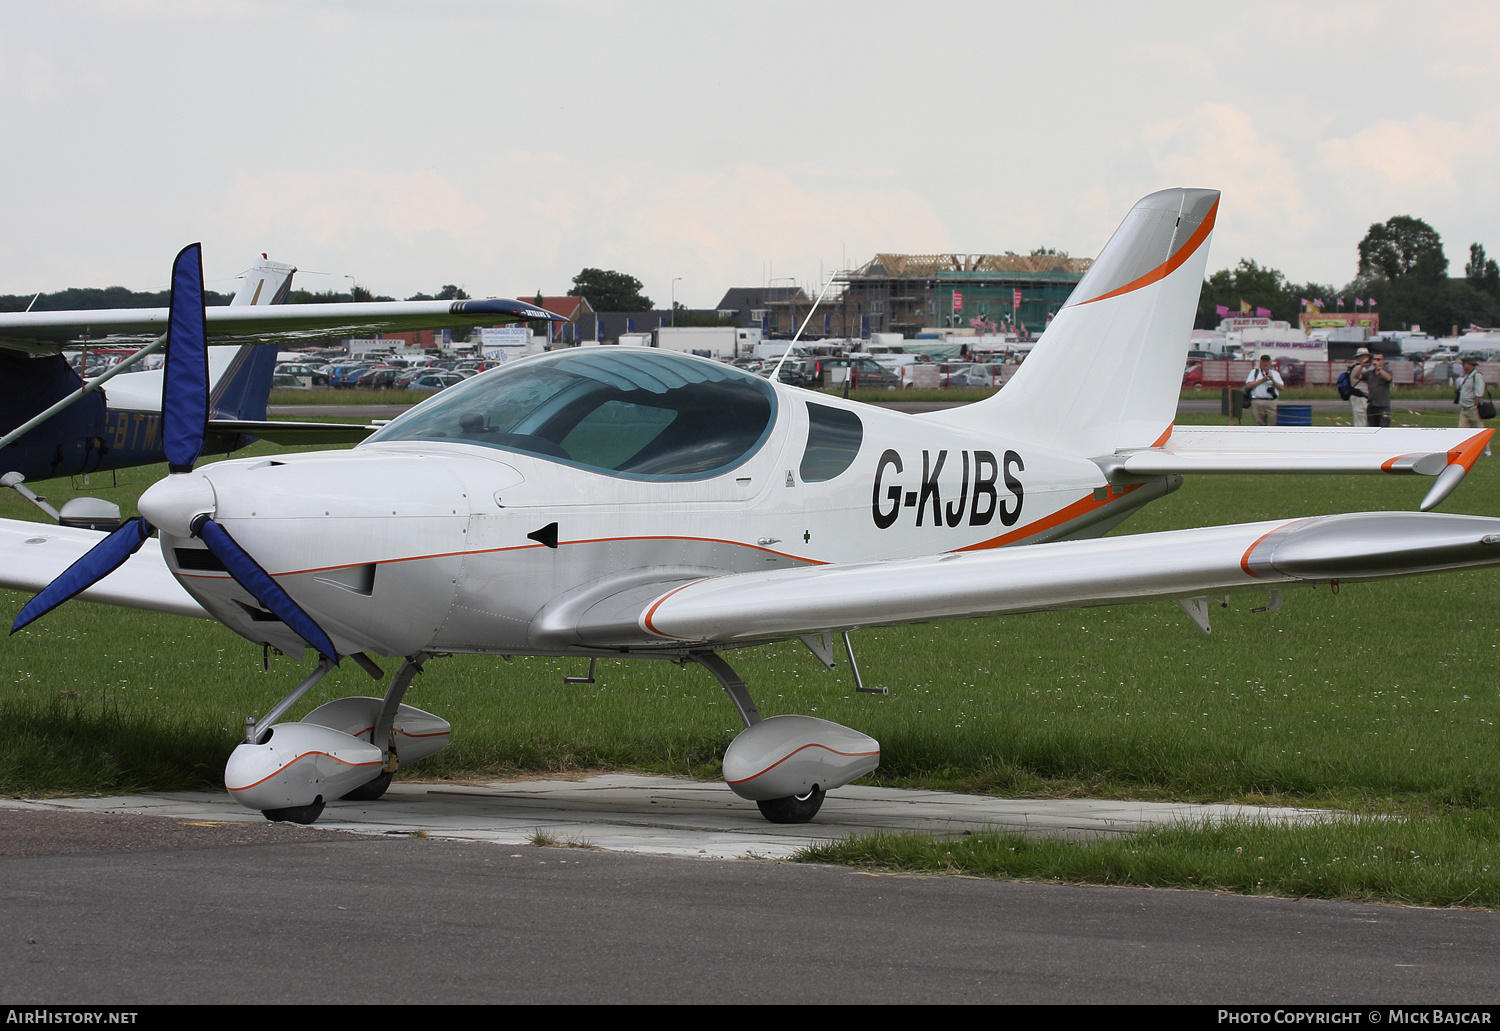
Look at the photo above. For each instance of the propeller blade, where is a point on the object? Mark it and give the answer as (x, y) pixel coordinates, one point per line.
(97, 563)
(249, 575)
(184, 393)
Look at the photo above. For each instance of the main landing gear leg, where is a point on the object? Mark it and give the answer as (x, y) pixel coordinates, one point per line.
(380, 734)
(789, 809)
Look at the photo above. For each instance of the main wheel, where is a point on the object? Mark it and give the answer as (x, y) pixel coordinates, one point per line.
(370, 790)
(297, 813)
(792, 808)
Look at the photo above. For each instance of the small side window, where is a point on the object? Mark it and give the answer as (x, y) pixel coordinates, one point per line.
(833, 439)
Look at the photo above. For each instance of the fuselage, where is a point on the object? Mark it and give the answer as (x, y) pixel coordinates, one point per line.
(502, 541)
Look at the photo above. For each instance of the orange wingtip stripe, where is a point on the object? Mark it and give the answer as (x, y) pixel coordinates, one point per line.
(646, 620)
(1386, 465)
(1467, 453)
(1245, 558)
(1169, 266)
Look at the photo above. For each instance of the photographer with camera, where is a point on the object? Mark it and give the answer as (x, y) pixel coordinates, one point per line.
(1262, 387)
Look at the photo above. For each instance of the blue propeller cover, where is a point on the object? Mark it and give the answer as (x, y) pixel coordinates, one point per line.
(97, 563)
(249, 575)
(184, 394)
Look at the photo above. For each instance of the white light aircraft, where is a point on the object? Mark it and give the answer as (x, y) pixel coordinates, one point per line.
(637, 503)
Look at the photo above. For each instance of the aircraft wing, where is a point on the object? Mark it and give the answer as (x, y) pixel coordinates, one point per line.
(46, 331)
(745, 607)
(1444, 453)
(37, 553)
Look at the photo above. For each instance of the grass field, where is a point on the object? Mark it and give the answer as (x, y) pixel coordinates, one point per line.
(1381, 701)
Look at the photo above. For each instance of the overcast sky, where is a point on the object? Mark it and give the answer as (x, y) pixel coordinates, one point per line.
(504, 146)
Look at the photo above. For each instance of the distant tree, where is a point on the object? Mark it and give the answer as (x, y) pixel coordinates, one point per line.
(1047, 252)
(1247, 283)
(448, 293)
(607, 290)
(1481, 272)
(1403, 247)
(94, 298)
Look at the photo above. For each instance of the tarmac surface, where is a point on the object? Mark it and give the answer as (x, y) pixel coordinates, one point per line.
(99, 905)
(670, 816)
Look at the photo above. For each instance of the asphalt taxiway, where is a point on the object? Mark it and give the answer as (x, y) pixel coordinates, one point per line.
(671, 816)
(112, 907)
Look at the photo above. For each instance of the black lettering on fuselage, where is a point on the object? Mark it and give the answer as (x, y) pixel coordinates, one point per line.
(1008, 516)
(930, 489)
(984, 487)
(885, 519)
(978, 489)
(956, 511)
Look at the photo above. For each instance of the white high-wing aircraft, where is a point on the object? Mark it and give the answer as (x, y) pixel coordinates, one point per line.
(639, 503)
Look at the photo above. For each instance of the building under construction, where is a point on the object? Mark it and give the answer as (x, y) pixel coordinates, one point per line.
(907, 293)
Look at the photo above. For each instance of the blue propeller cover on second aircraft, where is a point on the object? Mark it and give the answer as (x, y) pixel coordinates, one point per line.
(184, 393)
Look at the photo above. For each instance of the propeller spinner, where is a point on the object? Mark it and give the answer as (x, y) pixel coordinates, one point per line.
(184, 502)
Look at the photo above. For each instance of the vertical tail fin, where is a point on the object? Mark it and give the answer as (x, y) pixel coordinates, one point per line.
(240, 389)
(265, 282)
(1107, 373)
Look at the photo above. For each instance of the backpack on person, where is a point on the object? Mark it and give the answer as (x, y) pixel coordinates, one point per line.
(1346, 387)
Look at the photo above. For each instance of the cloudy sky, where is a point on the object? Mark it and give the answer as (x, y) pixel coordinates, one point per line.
(504, 146)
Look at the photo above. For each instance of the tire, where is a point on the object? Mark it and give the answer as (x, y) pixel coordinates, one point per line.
(296, 814)
(370, 790)
(792, 808)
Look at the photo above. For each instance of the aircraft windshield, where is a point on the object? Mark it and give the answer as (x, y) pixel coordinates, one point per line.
(639, 413)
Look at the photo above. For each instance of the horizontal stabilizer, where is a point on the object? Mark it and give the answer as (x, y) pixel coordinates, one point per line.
(1289, 449)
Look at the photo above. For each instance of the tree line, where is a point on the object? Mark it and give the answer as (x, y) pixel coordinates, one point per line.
(96, 298)
(1402, 269)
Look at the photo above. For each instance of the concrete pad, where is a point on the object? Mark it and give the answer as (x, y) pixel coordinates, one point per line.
(668, 816)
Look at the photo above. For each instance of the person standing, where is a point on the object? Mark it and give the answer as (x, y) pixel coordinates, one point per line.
(1358, 397)
(1264, 386)
(1377, 380)
(1470, 389)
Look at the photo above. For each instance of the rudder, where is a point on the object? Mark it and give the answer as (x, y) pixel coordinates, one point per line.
(1107, 372)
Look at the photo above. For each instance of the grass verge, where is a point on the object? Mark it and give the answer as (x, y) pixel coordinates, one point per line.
(1448, 859)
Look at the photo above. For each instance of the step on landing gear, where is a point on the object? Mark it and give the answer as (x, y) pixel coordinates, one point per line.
(787, 764)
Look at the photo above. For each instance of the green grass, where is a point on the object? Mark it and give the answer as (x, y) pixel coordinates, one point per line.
(1380, 700)
(1417, 859)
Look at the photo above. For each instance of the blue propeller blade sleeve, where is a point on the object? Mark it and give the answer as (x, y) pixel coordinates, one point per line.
(97, 563)
(249, 575)
(184, 392)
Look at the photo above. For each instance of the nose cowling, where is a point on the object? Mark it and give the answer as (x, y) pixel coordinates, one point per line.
(370, 547)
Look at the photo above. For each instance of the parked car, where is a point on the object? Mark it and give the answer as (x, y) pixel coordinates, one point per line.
(866, 373)
(434, 381)
(315, 377)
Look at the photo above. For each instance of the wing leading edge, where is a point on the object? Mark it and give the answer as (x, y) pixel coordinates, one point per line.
(1068, 574)
(39, 331)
